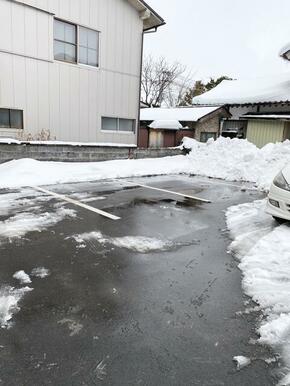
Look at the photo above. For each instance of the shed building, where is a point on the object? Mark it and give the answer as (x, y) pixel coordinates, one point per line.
(200, 123)
(259, 108)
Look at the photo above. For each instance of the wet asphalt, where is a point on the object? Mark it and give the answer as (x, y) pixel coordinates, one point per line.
(111, 316)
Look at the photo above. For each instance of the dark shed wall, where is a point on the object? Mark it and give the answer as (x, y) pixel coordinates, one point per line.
(169, 138)
(211, 123)
(143, 139)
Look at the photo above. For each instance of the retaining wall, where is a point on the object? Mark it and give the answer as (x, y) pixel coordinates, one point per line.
(69, 153)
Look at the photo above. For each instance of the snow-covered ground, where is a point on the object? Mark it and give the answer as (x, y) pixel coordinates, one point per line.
(263, 250)
(232, 160)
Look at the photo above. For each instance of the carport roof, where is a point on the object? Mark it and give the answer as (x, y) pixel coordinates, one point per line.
(262, 90)
(183, 114)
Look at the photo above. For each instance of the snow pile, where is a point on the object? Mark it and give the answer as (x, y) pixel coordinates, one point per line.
(228, 159)
(9, 299)
(263, 250)
(22, 277)
(225, 158)
(240, 160)
(139, 244)
(28, 172)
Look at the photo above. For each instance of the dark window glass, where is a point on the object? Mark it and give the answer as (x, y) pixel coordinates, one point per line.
(16, 119)
(126, 124)
(88, 47)
(118, 124)
(11, 118)
(4, 118)
(110, 124)
(65, 41)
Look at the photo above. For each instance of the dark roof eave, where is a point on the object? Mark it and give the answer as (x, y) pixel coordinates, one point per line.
(154, 13)
(243, 104)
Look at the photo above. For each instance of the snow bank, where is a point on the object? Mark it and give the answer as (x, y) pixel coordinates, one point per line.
(263, 250)
(225, 158)
(239, 160)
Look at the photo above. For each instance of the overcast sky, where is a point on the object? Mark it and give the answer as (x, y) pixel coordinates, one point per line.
(238, 38)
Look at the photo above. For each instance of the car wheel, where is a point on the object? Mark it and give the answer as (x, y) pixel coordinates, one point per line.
(279, 220)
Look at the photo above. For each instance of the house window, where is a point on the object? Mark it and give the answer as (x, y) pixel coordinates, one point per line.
(12, 119)
(88, 46)
(205, 136)
(118, 124)
(75, 44)
(65, 41)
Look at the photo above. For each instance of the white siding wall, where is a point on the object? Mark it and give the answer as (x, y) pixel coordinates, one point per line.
(69, 100)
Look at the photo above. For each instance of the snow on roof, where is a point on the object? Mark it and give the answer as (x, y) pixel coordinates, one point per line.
(268, 89)
(166, 124)
(267, 116)
(187, 114)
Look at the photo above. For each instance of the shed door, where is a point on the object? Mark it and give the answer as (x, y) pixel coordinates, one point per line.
(156, 139)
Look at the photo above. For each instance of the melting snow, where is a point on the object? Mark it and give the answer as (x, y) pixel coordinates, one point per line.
(9, 299)
(263, 250)
(138, 244)
(40, 272)
(22, 277)
(242, 361)
(23, 223)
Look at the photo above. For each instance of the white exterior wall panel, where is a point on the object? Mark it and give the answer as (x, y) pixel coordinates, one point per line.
(68, 100)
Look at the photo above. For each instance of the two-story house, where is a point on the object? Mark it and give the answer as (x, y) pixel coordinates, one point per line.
(70, 69)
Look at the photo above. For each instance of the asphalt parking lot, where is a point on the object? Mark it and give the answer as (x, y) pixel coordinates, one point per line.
(151, 298)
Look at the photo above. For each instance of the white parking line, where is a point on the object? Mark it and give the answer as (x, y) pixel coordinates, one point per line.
(169, 191)
(77, 203)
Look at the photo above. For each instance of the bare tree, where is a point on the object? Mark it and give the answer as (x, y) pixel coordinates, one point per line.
(162, 82)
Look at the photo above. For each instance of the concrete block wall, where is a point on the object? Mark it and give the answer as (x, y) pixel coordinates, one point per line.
(68, 153)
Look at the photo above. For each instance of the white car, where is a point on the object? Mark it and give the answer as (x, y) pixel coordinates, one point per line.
(279, 196)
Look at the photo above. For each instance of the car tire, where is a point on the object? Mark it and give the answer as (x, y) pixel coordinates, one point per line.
(279, 220)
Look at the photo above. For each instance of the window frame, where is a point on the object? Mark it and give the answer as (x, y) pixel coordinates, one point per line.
(134, 123)
(64, 42)
(10, 126)
(77, 45)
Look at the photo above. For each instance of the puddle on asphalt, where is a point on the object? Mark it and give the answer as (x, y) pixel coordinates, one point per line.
(186, 202)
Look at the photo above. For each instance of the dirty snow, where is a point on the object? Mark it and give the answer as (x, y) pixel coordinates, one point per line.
(22, 277)
(225, 158)
(242, 361)
(138, 244)
(263, 250)
(20, 224)
(9, 303)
